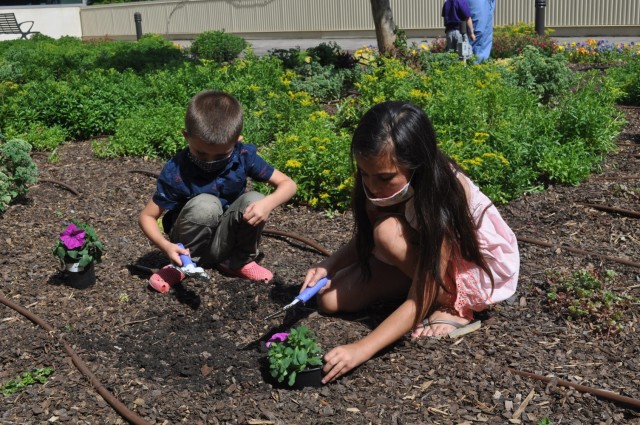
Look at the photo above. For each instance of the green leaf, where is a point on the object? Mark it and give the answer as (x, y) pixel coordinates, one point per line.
(292, 378)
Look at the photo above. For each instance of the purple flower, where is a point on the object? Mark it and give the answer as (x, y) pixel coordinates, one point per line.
(72, 237)
(279, 337)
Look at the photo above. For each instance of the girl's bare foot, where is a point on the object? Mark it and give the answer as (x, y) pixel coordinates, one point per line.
(433, 327)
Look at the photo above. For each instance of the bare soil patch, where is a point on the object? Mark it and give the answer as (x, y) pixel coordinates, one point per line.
(195, 356)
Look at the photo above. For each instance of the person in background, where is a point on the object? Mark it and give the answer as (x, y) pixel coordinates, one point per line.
(202, 193)
(482, 15)
(453, 13)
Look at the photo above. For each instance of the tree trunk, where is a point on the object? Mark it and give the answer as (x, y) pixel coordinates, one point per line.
(383, 21)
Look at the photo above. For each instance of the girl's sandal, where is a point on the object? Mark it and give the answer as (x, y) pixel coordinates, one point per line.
(460, 328)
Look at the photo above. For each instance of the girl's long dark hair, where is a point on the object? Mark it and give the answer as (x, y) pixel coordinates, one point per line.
(441, 208)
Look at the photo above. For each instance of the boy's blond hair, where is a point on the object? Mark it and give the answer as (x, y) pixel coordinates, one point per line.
(214, 117)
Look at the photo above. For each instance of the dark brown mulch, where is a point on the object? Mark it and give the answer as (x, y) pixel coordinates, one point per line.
(194, 356)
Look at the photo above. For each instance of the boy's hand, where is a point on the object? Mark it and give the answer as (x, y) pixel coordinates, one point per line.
(173, 251)
(256, 213)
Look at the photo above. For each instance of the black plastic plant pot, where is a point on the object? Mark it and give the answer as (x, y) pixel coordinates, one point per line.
(308, 378)
(80, 278)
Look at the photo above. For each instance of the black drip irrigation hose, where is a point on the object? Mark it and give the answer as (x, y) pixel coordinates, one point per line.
(607, 395)
(313, 244)
(117, 405)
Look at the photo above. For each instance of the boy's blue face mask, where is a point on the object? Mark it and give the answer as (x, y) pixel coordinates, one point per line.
(210, 167)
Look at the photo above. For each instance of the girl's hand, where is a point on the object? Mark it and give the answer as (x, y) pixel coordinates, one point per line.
(341, 360)
(314, 275)
(256, 213)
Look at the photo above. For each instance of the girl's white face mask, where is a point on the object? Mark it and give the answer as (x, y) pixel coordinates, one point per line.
(400, 196)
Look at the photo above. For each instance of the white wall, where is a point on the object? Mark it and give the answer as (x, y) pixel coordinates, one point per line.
(54, 21)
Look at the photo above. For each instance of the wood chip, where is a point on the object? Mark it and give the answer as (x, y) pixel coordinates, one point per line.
(517, 413)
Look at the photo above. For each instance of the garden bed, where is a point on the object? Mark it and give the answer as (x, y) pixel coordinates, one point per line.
(195, 356)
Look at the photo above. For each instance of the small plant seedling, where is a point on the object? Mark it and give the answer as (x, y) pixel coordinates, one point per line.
(37, 376)
(295, 352)
(582, 295)
(123, 298)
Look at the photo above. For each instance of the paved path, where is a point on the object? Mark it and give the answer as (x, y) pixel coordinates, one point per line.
(352, 44)
(262, 46)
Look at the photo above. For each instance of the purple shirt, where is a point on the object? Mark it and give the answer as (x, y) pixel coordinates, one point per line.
(454, 12)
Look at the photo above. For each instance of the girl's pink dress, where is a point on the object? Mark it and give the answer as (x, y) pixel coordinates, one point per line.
(499, 246)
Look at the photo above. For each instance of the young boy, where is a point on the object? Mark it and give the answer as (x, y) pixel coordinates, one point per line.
(454, 12)
(203, 191)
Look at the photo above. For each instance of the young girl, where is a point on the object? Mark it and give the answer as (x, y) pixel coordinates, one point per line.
(423, 232)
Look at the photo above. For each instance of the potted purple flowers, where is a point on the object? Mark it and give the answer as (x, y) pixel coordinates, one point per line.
(78, 249)
(295, 357)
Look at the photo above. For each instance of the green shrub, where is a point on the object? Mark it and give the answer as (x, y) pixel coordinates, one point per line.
(431, 61)
(566, 163)
(217, 46)
(41, 137)
(330, 54)
(325, 53)
(152, 131)
(322, 82)
(270, 104)
(17, 170)
(44, 58)
(590, 115)
(315, 154)
(627, 79)
(151, 52)
(547, 77)
(86, 105)
(291, 58)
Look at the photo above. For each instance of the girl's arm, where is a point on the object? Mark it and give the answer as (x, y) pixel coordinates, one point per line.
(342, 359)
(259, 211)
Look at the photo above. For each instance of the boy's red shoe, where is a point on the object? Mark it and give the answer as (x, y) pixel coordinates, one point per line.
(165, 278)
(251, 271)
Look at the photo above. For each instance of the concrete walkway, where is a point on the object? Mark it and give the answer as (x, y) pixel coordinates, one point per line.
(262, 46)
